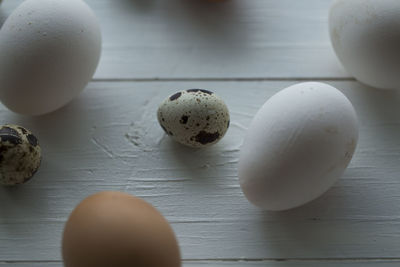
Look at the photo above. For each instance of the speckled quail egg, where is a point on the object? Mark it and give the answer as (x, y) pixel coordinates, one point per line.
(195, 118)
(20, 155)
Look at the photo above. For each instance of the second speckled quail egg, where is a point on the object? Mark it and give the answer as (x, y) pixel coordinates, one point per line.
(20, 155)
(195, 118)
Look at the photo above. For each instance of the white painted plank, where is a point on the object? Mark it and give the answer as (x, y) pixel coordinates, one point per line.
(252, 239)
(200, 39)
(108, 139)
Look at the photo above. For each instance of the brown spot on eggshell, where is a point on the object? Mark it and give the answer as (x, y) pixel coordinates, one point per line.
(199, 90)
(23, 130)
(184, 119)
(10, 135)
(204, 137)
(32, 139)
(175, 96)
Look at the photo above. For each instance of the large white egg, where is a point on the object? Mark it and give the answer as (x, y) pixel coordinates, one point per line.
(49, 51)
(297, 146)
(366, 37)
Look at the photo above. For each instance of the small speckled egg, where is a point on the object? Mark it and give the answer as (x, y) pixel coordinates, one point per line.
(20, 155)
(195, 118)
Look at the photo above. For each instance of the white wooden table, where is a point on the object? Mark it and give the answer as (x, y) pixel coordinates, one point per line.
(244, 50)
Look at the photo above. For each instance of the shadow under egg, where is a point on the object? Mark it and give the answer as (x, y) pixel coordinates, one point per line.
(213, 21)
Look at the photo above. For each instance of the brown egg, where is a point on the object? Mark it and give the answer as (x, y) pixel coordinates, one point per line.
(119, 230)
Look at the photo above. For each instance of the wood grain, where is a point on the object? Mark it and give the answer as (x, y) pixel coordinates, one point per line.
(258, 39)
(109, 139)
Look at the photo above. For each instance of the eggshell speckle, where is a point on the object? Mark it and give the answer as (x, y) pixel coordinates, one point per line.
(20, 155)
(49, 51)
(195, 118)
(119, 230)
(297, 146)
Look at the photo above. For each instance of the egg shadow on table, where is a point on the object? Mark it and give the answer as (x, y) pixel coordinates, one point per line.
(3, 17)
(61, 128)
(316, 227)
(211, 22)
(300, 228)
(195, 163)
(379, 115)
(382, 104)
(22, 202)
(67, 129)
(57, 131)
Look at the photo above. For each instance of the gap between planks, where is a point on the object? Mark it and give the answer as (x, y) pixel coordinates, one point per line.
(272, 79)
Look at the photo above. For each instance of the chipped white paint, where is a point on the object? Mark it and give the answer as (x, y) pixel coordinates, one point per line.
(109, 139)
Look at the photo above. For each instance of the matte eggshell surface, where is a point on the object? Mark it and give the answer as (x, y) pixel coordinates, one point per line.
(20, 155)
(49, 51)
(119, 230)
(366, 37)
(297, 146)
(195, 118)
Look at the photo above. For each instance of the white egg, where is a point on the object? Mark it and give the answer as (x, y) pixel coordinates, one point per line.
(49, 51)
(366, 37)
(299, 143)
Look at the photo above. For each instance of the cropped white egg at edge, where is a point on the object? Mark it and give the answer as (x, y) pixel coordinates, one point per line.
(297, 146)
(49, 51)
(366, 38)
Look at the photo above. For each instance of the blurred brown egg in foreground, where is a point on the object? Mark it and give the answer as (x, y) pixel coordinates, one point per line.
(119, 230)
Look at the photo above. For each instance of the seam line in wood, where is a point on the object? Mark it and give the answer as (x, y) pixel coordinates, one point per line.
(274, 79)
